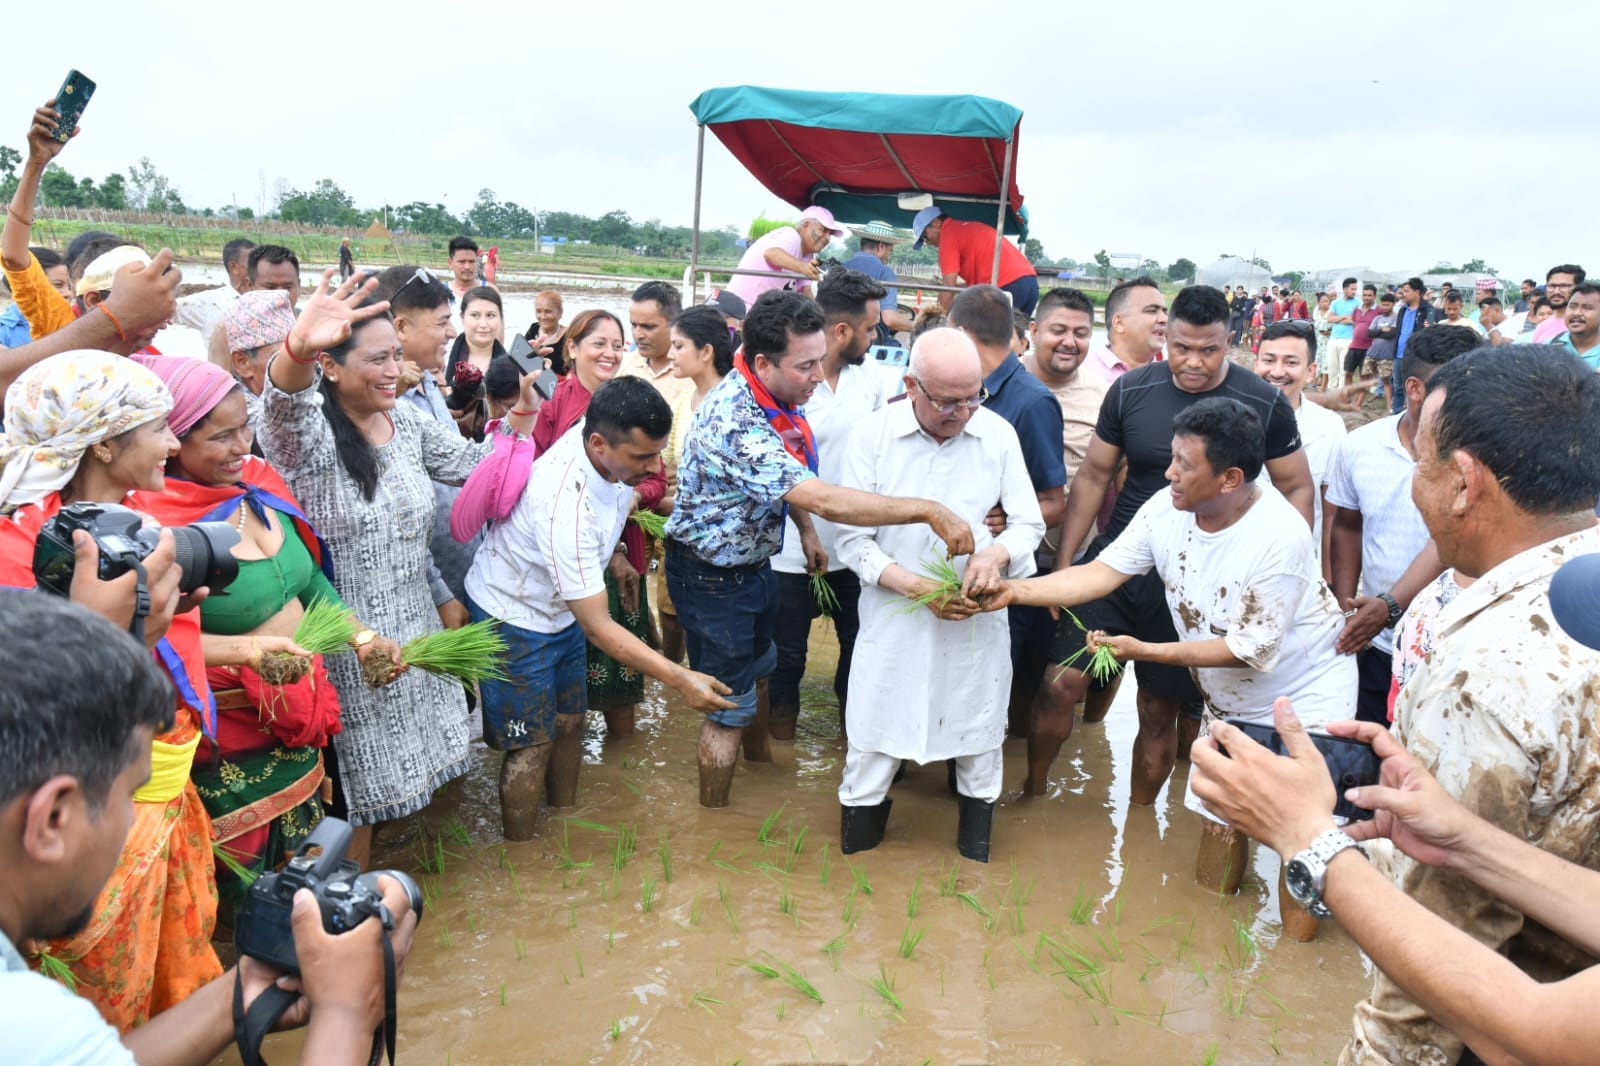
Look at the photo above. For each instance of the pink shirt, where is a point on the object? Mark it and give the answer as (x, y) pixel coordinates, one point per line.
(747, 288)
(1104, 364)
(1550, 329)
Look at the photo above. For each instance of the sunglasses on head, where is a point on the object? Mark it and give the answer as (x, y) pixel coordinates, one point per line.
(421, 276)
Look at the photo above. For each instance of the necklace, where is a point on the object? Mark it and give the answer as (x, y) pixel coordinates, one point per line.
(239, 525)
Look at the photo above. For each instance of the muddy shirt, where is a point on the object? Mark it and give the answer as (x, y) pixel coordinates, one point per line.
(1502, 712)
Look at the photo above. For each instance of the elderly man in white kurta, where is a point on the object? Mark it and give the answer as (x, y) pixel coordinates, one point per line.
(932, 683)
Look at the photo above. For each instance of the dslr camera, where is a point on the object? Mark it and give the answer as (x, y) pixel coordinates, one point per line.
(203, 549)
(346, 896)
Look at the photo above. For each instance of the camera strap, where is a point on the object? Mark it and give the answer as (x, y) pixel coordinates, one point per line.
(251, 1026)
(141, 602)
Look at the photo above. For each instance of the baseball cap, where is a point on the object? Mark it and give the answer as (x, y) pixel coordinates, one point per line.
(1575, 599)
(824, 216)
(920, 223)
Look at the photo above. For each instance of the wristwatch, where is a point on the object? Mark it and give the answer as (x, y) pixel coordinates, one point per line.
(1306, 875)
(362, 639)
(1394, 609)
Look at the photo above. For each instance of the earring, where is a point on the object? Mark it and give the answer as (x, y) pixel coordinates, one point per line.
(103, 454)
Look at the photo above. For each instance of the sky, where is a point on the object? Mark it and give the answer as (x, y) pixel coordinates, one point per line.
(1392, 136)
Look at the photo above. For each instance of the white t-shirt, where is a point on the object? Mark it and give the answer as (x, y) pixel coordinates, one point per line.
(555, 545)
(1371, 473)
(833, 415)
(1321, 430)
(43, 1024)
(1257, 585)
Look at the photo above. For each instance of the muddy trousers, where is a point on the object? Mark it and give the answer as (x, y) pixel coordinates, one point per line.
(868, 774)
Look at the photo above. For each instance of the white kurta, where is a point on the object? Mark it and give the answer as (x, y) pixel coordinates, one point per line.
(922, 688)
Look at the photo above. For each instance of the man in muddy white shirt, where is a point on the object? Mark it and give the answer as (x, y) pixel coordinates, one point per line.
(1502, 710)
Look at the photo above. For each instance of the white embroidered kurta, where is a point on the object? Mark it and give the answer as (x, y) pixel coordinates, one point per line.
(922, 688)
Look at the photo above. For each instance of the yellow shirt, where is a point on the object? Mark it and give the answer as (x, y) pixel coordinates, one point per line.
(40, 303)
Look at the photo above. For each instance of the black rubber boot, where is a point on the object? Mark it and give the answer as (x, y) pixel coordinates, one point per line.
(950, 777)
(972, 838)
(861, 828)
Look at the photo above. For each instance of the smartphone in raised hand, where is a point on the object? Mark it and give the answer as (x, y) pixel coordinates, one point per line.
(71, 99)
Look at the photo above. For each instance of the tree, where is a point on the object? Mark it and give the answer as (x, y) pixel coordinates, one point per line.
(1262, 263)
(1033, 250)
(419, 217)
(614, 228)
(1102, 259)
(325, 205)
(57, 188)
(1181, 269)
(1477, 266)
(112, 195)
(246, 215)
(10, 159)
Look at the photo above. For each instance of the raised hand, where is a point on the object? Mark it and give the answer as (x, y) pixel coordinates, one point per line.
(331, 315)
(42, 143)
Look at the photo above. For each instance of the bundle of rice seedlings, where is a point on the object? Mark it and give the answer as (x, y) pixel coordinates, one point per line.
(947, 585)
(469, 654)
(652, 523)
(1103, 664)
(325, 628)
(822, 592)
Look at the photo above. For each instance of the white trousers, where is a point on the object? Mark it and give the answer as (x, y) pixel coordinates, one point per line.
(868, 774)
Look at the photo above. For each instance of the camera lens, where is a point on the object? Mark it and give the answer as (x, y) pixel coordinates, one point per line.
(203, 555)
(413, 893)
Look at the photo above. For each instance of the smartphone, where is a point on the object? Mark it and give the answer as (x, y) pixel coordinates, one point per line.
(1351, 763)
(889, 355)
(71, 99)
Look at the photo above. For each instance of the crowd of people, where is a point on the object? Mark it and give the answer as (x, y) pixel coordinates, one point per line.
(1011, 502)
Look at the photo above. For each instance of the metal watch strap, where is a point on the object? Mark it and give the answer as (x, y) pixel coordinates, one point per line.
(1316, 857)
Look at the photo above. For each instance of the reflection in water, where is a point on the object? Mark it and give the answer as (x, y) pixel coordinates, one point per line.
(639, 927)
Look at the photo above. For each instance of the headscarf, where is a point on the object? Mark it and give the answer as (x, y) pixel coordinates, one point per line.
(61, 407)
(196, 385)
(98, 275)
(257, 319)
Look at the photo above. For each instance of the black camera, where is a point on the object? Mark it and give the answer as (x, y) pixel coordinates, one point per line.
(203, 554)
(347, 896)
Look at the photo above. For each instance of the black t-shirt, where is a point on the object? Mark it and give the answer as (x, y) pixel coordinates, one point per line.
(1137, 415)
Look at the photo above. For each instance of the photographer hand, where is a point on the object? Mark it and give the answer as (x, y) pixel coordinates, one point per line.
(1422, 819)
(1284, 802)
(115, 599)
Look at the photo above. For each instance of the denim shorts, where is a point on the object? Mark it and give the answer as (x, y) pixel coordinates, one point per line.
(727, 614)
(547, 672)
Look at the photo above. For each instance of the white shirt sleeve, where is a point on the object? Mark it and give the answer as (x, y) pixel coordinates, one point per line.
(1024, 521)
(857, 546)
(579, 549)
(43, 1024)
(1341, 487)
(1133, 552)
(1262, 617)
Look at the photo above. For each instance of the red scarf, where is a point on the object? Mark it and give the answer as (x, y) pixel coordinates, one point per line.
(789, 423)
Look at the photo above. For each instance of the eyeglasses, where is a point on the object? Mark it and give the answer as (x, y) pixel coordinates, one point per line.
(1557, 285)
(952, 406)
(421, 276)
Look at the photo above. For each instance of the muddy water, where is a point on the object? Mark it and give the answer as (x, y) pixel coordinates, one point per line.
(1085, 940)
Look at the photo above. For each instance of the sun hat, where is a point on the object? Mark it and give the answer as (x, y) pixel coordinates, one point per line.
(878, 231)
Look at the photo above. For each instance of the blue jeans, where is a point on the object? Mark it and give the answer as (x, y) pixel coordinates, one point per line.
(1398, 379)
(545, 674)
(727, 616)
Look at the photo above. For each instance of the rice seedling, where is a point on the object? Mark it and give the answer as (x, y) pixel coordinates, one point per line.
(947, 884)
(1241, 949)
(223, 855)
(564, 860)
(611, 938)
(797, 843)
(444, 939)
(516, 885)
(469, 655)
(914, 901)
(472, 922)
(1210, 1057)
(1111, 944)
(647, 895)
(520, 946)
(616, 1030)
(946, 585)
(502, 993)
(631, 785)
(572, 916)
(622, 848)
(973, 904)
(664, 853)
(579, 955)
(325, 628)
(1030, 963)
(858, 873)
(849, 915)
(1082, 907)
(1103, 663)
(832, 949)
(910, 938)
(764, 834)
(52, 966)
(883, 984)
(787, 905)
(780, 1011)
(697, 910)
(827, 864)
(458, 831)
(650, 522)
(705, 1001)
(822, 593)
(727, 911)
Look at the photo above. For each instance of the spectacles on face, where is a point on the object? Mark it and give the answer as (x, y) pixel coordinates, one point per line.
(1557, 285)
(952, 406)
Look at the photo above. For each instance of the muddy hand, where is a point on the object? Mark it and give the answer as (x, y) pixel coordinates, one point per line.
(951, 529)
(704, 693)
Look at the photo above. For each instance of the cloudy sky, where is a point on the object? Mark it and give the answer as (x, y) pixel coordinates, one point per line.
(1391, 135)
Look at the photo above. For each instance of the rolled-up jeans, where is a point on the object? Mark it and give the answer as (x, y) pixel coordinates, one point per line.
(727, 615)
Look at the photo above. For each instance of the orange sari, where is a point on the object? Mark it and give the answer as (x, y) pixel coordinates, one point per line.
(148, 942)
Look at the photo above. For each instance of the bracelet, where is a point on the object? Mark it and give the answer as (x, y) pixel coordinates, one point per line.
(515, 412)
(121, 335)
(307, 361)
(12, 211)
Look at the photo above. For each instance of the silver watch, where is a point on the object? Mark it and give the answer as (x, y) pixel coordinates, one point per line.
(1306, 875)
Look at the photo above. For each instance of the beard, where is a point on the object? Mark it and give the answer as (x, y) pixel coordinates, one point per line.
(60, 930)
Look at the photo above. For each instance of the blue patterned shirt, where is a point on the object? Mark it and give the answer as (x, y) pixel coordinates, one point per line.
(732, 479)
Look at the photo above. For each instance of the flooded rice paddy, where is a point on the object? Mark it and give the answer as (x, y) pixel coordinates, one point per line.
(642, 928)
